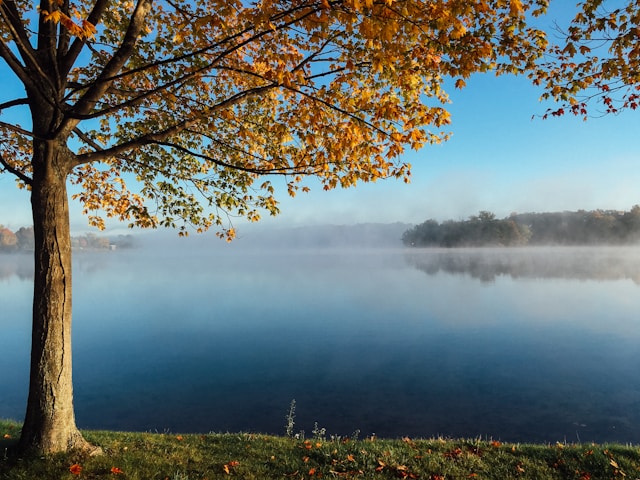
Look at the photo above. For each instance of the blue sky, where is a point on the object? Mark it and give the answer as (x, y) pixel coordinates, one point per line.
(498, 159)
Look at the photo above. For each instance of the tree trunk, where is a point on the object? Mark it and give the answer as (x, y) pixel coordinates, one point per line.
(49, 424)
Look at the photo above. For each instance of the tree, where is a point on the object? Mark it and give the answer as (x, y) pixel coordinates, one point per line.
(25, 238)
(8, 239)
(597, 61)
(197, 104)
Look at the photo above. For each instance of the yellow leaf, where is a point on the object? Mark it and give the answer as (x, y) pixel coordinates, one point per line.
(515, 8)
(52, 17)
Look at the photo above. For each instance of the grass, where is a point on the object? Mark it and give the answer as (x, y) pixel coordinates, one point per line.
(162, 456)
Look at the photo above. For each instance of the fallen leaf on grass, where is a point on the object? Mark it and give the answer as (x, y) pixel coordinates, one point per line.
(228, 466)
(116, 471)
(75, 469)
(455, 453)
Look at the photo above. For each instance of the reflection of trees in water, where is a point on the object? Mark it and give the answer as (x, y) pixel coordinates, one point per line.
(485, 264)
(19, 264)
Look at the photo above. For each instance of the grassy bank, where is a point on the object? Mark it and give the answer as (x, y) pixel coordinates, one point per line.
(251, 456)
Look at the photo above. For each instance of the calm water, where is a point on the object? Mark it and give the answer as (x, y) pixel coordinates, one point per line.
(517, 345)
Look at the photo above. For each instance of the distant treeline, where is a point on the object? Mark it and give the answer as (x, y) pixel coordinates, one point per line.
(22, 240)
(554, 228)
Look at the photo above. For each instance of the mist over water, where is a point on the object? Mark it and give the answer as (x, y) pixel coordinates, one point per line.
(517, 345)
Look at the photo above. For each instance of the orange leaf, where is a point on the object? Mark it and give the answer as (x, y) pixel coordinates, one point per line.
(312, 471)
(116, 471)
(75, 469)
(515, 8)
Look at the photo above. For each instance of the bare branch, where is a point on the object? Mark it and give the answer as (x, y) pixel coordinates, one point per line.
(12, 18)
(13, 103)
(31, 66)
(16, 66)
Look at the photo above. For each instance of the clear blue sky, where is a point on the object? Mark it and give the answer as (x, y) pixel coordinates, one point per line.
(498, 159)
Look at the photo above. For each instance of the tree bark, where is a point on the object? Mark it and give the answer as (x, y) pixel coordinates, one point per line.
(49, 424)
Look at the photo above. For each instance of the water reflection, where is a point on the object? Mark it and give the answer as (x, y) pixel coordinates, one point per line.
(486, 264)
(224, 340)
(16, 264)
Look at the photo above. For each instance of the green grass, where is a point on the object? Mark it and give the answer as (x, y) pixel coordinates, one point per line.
(252, 456)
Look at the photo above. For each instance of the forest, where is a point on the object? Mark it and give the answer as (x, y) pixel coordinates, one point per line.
(596, 227)
(22, 240)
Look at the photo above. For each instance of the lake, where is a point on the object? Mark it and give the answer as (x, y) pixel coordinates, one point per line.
(515, 345)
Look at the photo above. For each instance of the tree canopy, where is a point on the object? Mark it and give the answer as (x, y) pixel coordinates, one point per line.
(596, 63)
(204, 100)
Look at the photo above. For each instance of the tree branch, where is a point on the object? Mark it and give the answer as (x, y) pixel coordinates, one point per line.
(15, 23)
(113, 66)
(78, 114)
(31, 66)
(14, 63)
(68, 59)
(46, 46)
(16, 129)
(156, 137)
(64, 39)
(13, 103)
(14, 171)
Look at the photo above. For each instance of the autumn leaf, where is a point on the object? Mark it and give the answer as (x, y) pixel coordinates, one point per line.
(228, 466)
(515, 8)
(116, 471)
(75, 469)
